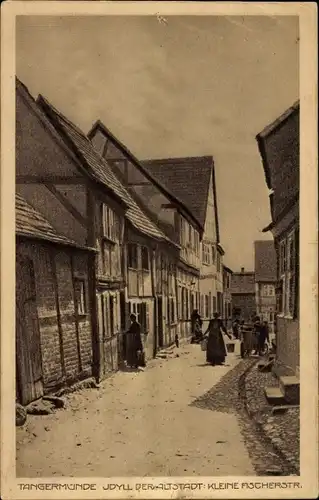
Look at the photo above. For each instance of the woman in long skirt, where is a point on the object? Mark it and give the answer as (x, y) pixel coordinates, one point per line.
(216, 350)
(134, 344)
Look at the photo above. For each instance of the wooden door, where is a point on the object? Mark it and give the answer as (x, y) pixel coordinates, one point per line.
(28, 350)
(159, 317)
(124, 313)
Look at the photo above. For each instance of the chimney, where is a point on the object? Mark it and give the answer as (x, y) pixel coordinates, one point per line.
(242, 269)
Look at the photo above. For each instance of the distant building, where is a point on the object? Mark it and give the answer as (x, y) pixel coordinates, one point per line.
(227, 305)
(243, 294)
(279, 148)
(265, 281)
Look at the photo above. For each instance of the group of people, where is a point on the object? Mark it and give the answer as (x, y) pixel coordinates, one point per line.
(253, 337)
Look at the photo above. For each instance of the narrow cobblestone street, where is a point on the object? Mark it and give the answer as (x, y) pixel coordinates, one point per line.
(140, 424)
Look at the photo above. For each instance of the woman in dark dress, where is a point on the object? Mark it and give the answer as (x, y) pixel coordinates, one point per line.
(134, 345)
(216, 350)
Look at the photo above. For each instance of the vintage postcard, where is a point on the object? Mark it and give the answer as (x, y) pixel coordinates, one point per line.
(159, 250)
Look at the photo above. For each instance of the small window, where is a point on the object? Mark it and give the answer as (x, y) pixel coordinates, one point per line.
(218, 262)
(206, 306)
(80, 298)
(213, 254)
(145, 259)
(214, 304)
(109, 223)
(106, 260)
(132, 255)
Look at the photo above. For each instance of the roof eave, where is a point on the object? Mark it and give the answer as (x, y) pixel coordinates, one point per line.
(215, 201)
(43, 239)
(228, 269)
(220, 249)
(262, 151)
(268, 228)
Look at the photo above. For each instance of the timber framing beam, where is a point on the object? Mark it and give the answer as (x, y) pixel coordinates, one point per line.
(67, 204)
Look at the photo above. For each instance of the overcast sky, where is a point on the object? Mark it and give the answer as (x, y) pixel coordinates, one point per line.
(187, 86)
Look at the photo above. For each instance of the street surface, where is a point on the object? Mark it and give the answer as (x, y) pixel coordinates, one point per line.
(140, 424)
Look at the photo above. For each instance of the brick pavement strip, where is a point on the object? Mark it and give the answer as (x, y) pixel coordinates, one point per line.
(283, 430)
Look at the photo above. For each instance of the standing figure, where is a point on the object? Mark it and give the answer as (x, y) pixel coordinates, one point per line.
(247, 343)
(134, 346)
(256, 333)
(196, 325)
(216, 350)
(263, 337)
(236, 328)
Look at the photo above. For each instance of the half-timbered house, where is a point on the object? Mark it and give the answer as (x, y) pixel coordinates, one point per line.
(126, 241)
(59, 171)
(279, 148)
(176, 274)
(54, 313)
(192, 180)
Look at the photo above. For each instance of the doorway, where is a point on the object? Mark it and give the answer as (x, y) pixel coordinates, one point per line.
(28, 350)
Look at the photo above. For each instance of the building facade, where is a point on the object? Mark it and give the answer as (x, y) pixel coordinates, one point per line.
(243, 295)
(265, 281)
(279, 149)
(192, 180)
(54, 313)
(176, 276)
(59, 171)
(127, 239)
(227, 297)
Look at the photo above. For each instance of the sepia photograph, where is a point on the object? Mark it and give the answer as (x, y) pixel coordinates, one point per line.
(157, 253)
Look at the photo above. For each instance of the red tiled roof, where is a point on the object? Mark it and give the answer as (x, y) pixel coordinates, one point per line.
(30, 223)
(99, 169)
(265, 261)
(187, 178)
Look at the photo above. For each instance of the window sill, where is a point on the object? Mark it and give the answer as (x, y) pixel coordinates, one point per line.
(285, 316)
(108, 240)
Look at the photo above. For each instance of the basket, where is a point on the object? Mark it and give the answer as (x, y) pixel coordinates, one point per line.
(203, 345)
(230, 347)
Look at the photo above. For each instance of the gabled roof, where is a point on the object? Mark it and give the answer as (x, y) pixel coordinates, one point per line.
(98, 125)
(189, 180)
(23, 91)
(31, 224)
(99, 169)
(265, 261)
(268, 130)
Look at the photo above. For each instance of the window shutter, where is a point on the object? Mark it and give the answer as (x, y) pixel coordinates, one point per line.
(147, 317)
(139, 315)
